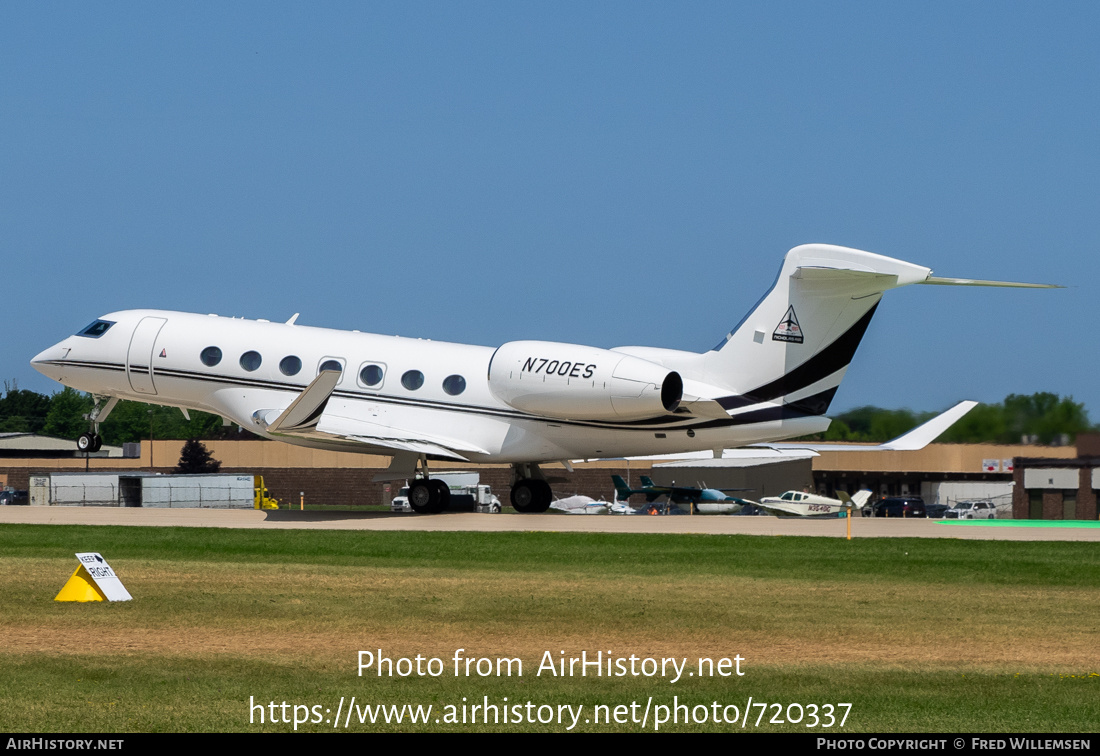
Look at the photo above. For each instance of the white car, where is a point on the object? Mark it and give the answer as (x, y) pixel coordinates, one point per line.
(972, 510)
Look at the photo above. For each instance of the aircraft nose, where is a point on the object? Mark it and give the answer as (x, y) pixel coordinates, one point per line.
(45, 362)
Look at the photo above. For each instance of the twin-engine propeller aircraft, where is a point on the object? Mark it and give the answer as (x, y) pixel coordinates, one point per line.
(702, 499)
(525, 403)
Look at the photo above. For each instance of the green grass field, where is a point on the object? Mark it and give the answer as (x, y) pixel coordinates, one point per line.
(916, 634)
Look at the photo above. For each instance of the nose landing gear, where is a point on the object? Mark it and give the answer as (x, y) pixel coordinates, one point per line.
(90, 442)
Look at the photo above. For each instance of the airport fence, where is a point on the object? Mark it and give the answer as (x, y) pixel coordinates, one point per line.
(1003, 503)
(165, 496)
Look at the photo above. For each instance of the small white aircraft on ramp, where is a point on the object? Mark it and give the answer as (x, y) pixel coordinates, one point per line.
(582, 505)
(802, 504)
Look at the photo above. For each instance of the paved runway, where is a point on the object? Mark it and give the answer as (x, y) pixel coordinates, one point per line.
(712, 524)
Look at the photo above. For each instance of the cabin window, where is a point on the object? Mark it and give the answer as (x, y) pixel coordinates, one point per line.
(251, 360)
(96, 328)
(454, 384)
(331, 365)
(371, 375)
(290, 365)
(211, 356)
(412, 380)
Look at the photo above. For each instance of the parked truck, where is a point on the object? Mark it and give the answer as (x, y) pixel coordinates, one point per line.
(467, 494)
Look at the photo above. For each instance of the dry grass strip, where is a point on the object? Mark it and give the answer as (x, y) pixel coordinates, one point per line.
(327, 613)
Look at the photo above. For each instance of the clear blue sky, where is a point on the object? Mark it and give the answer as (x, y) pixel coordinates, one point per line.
(601, 173)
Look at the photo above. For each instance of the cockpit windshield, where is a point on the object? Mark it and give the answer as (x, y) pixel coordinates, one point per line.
(96, 328)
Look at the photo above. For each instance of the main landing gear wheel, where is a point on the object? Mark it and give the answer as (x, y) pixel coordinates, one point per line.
(420, 497)
(429, 496)
(531, 496)
(443, 495)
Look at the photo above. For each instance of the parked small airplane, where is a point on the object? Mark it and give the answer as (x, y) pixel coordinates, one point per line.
(524, 403)
(580, 504)
(802, 504)
(703, 500)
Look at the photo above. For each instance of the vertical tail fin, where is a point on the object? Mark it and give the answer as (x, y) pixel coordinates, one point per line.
(621, 488)
(795, 345)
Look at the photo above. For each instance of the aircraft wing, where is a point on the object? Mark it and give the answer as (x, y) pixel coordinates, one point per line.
(398, 439)
(916, 439)
(776, 508)
(409, 445)
(312, 415)
(780, 451)
(698, 490)
(386, 440)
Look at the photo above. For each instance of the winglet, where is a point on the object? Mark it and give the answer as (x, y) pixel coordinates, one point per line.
(922, 435)
(914, 440)
(307, 408)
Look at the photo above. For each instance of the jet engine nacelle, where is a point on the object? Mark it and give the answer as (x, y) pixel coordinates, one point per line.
(574, 382)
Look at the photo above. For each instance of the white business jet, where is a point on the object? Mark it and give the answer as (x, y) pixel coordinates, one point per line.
(524, 403)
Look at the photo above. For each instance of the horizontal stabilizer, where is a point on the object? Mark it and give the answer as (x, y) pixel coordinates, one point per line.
(942, 281)
(856, 501)
(701, 400)
(698, 407)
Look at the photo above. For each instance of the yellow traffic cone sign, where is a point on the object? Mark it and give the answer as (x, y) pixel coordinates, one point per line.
(93, 580)
(80, 587)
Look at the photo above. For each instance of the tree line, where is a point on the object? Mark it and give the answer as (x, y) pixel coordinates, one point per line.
(62, 415)
(1042, 417)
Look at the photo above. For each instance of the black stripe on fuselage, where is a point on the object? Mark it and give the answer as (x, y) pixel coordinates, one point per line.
(823, 364)
(672, 423)
(113, 366)
(765, 414)
(780, 412)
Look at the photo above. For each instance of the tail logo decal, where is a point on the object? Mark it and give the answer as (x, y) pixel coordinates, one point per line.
(788, 328)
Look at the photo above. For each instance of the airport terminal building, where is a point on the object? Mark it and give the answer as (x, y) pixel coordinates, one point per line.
(1059, 488)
